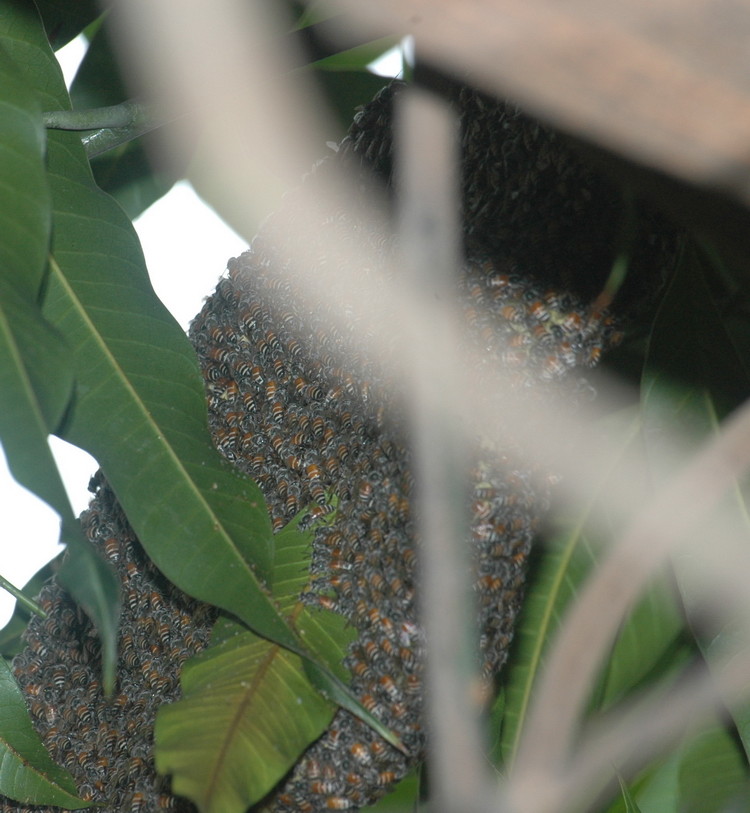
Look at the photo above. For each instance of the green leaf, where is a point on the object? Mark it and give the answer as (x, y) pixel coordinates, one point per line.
(554, 580)
(327, 634)
(704, 774)
(248, 713)
(64, 21)
(357, 58)
(647, 644)
(33, 368)
(25, 216)
(657, 789)
(248, 710)
(630, 803)
(552, 585)
(713, 772)
(713, 378)
(140, 406)
(209, 530)
(36, 370)
(27, 774)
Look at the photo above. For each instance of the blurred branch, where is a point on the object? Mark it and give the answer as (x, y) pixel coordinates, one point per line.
(592, 623)
(664, 87)
(428, 187)
(664, 83)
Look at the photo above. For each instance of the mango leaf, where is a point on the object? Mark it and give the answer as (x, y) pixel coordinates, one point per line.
(36, 372)
(139, 403)
(64, 21)
(715, 378)
(552, 585)
(248, 710)
(659, 792)
(556, 573)
(27, 774)
(704, 774)
(629, 794)
(248, 713)
(648, 643)
(630, 805)
(713, 773)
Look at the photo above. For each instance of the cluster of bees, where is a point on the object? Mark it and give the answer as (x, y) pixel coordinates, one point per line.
(106, 743)
(297, 405)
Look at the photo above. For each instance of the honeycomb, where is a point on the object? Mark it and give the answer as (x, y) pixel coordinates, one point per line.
(538, 230)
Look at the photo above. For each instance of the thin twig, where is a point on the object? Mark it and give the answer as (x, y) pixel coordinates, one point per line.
(19, 595)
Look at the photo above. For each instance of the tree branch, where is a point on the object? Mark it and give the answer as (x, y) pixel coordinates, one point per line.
(112, 126)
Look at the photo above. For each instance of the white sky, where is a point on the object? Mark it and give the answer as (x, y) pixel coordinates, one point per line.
(179, 235)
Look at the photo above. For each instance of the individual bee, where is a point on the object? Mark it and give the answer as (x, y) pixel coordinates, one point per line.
(272, 340)
(138, 803)
(313, 391)
(552, 367)
(327, 603)
(112, 548)
(362, 670)
(294, 462)
(338, 803)
(372, 652)
(220, 354)
(342, 452)
(280, 370)
(243, 369)
(322, 787)
(84, 713)
(272, 387)
(361, 753)
(387, 683)
(386, 778)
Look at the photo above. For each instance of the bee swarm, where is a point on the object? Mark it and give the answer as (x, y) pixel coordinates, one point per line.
(539, 229)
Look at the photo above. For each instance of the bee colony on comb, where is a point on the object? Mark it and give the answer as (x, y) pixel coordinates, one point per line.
(539, 227)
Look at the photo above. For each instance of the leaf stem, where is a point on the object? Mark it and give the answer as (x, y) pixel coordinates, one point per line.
(125, 114)
(20, 596)
(112, 126)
